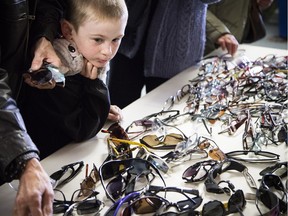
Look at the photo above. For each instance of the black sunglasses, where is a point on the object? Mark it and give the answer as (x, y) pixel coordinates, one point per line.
(121, 185)
(198, 171)
(279, 168)
(236, 204)
(86, 206)
(46, 74)
(66, 174)
(253, 156)
(213, 187)
(152, 202)
(269, 200)
(116, 131)
(270, 181)
(132, 168)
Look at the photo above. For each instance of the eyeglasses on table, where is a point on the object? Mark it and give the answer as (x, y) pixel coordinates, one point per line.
(66, 174)
(76, 206)
(129, 169)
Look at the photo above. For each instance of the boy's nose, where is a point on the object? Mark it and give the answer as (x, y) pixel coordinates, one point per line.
(107, 49)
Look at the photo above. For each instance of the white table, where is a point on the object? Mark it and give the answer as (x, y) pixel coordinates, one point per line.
(95, 149)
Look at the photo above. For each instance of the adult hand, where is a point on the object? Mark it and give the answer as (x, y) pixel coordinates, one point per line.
(228, 42)
(115, 113)
(44, 51)
(35, 193)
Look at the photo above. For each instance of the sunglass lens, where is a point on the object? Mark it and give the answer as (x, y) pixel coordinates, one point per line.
(191, 172)
(173, 139)
(236, 202)
(213, 208)
(116, 187)
(198, 171)
(43, 75)
(273, 180)
(117, 131)
(60, 208)
(145, 205)
(217, 154)
(88, 207)
(158, 163)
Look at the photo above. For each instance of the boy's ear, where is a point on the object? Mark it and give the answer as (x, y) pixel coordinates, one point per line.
(66, 29)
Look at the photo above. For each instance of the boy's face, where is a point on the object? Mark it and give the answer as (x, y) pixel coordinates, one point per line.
(99, 40)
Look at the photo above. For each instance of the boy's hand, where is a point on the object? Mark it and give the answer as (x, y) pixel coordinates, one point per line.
(115, 114)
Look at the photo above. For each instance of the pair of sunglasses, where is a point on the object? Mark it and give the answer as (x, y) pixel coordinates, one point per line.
(85, 206)
(144, 153)
(89, 183)
(253, 156)
(66, 174)
(214, 152)
(235, 125)
(168, 141)
(121, 185)
(119, 149)
(116, 131)
(280, 169)
(213, 187)
(165, 140)
(133, 168)
(175, 158)
(141, 126)
(235, 204)
(46, 74)
(270, 181)
(266, 198)
(198, 171)
(155, 201)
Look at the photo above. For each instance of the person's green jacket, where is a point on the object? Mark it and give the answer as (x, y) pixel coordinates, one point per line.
(226, 16)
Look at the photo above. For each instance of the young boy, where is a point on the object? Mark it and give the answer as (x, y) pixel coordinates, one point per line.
(58, 116)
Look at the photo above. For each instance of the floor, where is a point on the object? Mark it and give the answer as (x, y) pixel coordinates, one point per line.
(272, 38)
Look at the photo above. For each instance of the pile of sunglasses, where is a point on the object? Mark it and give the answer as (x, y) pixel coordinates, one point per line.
(157, 201)
(84, 200)
(236, 93)
(271, 196)
(121, 177)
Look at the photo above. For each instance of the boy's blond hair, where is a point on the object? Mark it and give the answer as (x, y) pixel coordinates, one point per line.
(79, 11)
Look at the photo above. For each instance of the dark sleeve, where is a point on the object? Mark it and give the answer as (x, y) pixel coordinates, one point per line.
(14, 140)
(89, 116)
(47, 18)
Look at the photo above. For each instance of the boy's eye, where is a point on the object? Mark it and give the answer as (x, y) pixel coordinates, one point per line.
(116, 39)
(98, 40)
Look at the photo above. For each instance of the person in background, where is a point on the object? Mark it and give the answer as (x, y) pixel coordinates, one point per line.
(228, 25)
(19, 156)
(162, 38)
(74, 113)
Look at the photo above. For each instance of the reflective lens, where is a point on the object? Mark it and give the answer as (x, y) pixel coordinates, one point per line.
(144, 205)
(198, 171)
(213, 208)
(236, 202)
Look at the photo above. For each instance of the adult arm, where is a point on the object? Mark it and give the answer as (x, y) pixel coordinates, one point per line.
(44, 29)
(218, 34)
(19, 159)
